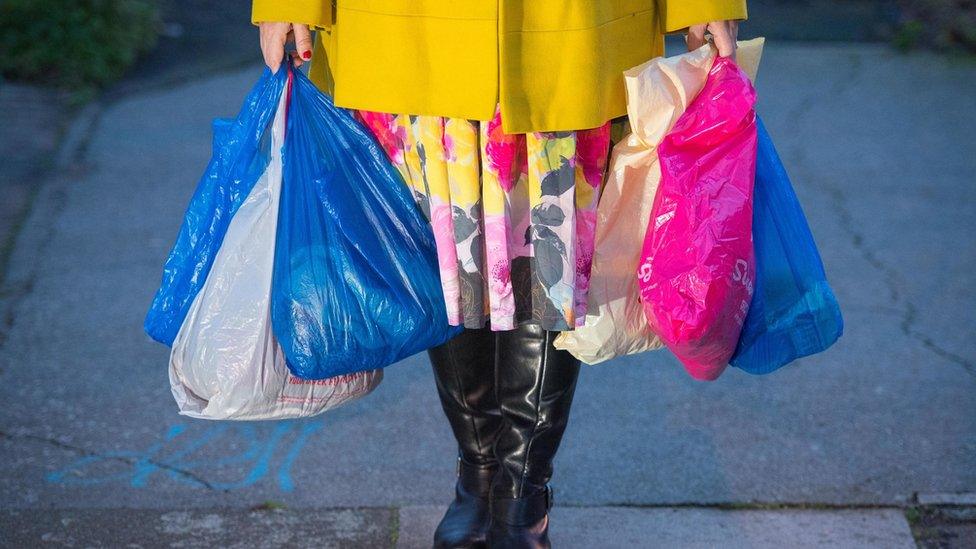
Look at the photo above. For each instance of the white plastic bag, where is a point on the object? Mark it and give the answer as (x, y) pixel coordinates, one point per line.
(225, 362)
(657, 94)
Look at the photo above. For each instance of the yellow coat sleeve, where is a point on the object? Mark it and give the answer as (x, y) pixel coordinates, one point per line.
(680, 14)
(315, 13)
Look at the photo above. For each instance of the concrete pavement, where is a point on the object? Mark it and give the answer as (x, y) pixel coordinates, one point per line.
(411, 527)
(880, 149)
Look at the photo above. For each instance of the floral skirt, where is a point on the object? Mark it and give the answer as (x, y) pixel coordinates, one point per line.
(513, 216)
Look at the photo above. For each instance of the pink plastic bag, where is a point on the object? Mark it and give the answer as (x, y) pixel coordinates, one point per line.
(697, 268)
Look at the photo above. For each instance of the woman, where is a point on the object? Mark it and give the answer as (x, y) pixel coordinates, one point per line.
(497, 113)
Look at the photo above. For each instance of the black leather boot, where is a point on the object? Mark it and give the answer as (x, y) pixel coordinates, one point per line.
(535, 384)
(464, 369)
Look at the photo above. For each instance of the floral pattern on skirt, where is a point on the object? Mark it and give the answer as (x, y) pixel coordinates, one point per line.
(514, 216)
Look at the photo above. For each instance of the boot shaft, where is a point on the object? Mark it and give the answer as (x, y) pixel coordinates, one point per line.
(535, 384)
(464, 372)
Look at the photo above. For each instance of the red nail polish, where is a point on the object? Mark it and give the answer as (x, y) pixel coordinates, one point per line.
(307, 54)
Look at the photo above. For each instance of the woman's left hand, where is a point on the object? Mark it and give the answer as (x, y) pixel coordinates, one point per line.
(275, 35)
(723, 34)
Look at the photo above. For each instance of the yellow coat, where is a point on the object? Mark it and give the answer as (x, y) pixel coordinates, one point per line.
(550, 64)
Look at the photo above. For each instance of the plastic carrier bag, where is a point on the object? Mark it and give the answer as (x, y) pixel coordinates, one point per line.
(356, 283)
(241, 152)
(696, 271)
(215, 302)
(226, 362)
(793, 312)
(658, 92)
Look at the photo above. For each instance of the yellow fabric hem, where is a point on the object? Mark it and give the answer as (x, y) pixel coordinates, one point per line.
(683, 15)
(314, 13)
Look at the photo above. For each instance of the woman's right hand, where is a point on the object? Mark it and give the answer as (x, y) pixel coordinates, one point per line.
(724, 35)
(274, 37)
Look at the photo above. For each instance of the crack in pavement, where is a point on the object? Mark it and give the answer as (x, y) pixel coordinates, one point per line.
(848, 224)
(128, 461)
(907, 328)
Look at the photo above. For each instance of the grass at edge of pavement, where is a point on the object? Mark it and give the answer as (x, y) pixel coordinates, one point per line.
(942, 526)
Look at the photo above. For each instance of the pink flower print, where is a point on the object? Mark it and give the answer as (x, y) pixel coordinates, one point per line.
(502, 150)
(500, 296)
(585, 242)
(381, 126)
(592, 147)
(501, 274)
(399, 131)
(443, 227)
(448, 142)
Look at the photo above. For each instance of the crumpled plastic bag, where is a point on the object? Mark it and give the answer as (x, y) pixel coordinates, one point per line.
(226, 362)
(356, 284)
(658, 92)
(240, 157)
(247, 244)
(697, 269)
(793, 312)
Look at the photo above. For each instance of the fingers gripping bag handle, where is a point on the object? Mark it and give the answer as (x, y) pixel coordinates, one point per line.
(697, 269)
(226, 362)
(356, 284)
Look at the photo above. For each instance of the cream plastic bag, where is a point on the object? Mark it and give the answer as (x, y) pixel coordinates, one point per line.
(225, 362)
(657, 94)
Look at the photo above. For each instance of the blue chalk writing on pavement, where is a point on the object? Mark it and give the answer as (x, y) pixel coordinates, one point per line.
(184, 455)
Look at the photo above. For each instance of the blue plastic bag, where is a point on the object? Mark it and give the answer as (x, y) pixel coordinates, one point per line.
(239, 157)
(356, 284)
(793, 312)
